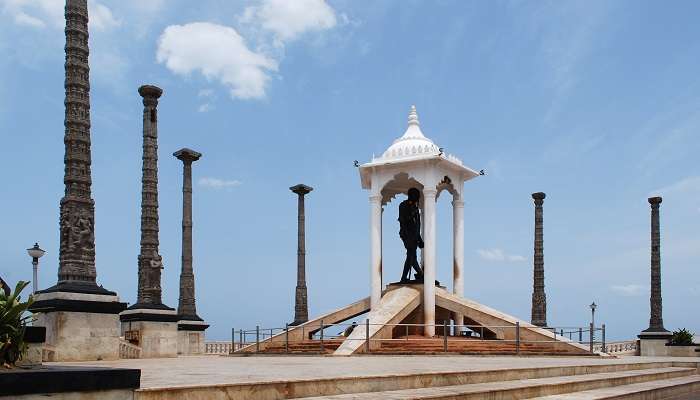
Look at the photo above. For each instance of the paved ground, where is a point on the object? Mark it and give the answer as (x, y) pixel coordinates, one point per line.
(210, 370)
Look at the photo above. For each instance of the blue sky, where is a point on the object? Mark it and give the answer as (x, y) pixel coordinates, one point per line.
(596, 103)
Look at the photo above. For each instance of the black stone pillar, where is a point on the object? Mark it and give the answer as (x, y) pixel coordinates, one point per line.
(301, 308)
(539, 298)
(186, 308)
(656, 321)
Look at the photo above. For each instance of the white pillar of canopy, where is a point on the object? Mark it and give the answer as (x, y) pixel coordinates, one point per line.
(429, 199)
(413, 160)
(458, 253)
(375, 235)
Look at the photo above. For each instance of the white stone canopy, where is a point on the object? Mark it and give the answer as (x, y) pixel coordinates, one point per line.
(413, 160)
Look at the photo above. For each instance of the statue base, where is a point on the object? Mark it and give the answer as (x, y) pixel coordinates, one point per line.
(79, 326)
(190, 337)
(653, 343)
(415, 281)
(153, 329)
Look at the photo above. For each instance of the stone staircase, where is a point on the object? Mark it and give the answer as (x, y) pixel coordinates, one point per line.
(305, 347)
(624, 380)
(420, 345)
(651, 383)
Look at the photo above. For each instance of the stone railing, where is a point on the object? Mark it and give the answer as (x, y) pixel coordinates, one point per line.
(219, 347)
(622, 348)
(48, 353)
(128, 350)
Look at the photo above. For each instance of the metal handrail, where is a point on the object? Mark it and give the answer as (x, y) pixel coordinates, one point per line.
(317, 330)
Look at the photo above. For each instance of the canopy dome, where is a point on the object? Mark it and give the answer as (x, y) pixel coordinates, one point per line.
(412, 142)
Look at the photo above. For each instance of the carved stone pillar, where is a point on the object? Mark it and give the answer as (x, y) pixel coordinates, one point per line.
(656, 321)
(653, 340)
(186, 308)
(80, 317)
(149, 261)
(301, 307)
(539, 298)
(76, 266)
(152, 322)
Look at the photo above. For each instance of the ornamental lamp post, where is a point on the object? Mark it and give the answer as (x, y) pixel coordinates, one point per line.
(35, 253)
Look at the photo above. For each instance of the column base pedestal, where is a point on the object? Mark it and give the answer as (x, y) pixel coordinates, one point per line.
(653, 344)
(79, 326)
(154, 330)
(190, 337)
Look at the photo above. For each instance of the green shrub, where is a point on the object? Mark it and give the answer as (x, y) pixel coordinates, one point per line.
(12, 325)
(682, 337)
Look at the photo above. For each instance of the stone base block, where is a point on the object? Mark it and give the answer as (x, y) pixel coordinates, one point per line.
(654, 344)
(190, 337)
(79, 326)
(79, 336)
(157, 332)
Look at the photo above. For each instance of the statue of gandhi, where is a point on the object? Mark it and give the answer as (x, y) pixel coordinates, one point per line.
(409, 220)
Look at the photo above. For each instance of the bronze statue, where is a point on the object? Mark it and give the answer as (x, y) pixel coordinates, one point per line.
(409, 220)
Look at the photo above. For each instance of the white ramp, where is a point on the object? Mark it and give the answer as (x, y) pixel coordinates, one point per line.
(394, 306)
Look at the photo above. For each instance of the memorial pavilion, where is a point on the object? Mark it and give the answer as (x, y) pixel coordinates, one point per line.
(417, 308)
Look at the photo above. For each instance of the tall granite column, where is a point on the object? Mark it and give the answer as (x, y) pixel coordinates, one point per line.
(301, 307)
(190, 327)
(656, 321)
(76, 270)
(149, 322)
(186, 307)
(539, 298)
(76, 300)
(653, 340)
(149, 261)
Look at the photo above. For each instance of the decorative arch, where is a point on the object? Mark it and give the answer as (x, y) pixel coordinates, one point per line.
(399, 184)
(447, 183)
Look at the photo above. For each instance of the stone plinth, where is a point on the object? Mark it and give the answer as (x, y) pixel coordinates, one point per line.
(79, 326)
(653, 345)
(157, 331)
(190, 337)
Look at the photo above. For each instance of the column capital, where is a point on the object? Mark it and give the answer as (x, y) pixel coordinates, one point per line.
(150, 94)
(301, 189)
(655, 201)
(375, 198)
(458, 203)
(187, 155)
(429, 192)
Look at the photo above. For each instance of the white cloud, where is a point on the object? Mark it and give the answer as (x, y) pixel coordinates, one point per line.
(209, 95)
(49, 13)
(288, 20)
(217, 183)
(36, 13)
(205, 93)
(27, 20)
(499, 255)
(219, 53)
(687, 185)
(101, 17)
(628, 290)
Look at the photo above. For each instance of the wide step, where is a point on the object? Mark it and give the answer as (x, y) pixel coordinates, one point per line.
(462, 346)
(526, 388)
(653, 390)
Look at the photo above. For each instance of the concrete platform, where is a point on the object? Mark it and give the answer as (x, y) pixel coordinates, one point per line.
(214, 370)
